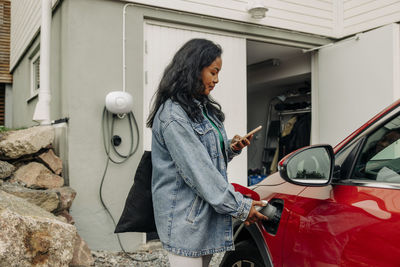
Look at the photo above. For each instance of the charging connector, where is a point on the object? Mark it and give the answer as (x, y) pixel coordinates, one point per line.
(268, 210)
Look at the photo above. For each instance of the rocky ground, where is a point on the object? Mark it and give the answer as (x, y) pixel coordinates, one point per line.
(150, 254)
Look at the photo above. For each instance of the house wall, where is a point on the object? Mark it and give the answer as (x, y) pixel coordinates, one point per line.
(362, 15)
(311, 16)
(331, 18)
(92, 67)
(19, 99)
(25, 23)
(8, 106)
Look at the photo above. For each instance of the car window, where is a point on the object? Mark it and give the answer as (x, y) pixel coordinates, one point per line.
(344, 160)
(380, 156)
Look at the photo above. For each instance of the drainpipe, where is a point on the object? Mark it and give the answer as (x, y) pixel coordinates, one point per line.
(42, 110)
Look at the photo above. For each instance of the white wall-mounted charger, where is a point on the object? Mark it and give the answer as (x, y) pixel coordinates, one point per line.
(119, 102)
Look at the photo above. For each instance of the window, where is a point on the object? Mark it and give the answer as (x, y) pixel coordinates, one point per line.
(35, 74)
(344, 161)
(380, 156)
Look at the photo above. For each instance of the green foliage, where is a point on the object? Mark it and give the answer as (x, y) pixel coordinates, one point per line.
(5, 129)
(309, 175)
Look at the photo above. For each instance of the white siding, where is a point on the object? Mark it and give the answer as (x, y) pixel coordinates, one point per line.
(311, 16)
(361, 15)
(332, 18)
(25, 23)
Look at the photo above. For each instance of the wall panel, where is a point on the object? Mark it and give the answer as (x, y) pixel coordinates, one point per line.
(362, 15)
(25, 25)
(310, 16)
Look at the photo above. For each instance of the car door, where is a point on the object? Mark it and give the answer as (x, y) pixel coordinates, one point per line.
(356, 220)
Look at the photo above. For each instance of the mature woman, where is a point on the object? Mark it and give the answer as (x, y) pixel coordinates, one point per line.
(192, 199)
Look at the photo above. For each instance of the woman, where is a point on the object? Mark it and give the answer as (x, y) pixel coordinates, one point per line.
(193, 202)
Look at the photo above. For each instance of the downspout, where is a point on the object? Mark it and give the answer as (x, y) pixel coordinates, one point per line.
(42, 110)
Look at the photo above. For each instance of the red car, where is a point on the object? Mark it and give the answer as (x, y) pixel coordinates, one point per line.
(331, 207)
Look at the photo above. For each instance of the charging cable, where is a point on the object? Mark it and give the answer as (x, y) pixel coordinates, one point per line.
(108, 122)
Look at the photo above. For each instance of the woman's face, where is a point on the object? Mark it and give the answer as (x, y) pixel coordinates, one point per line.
(209, 75)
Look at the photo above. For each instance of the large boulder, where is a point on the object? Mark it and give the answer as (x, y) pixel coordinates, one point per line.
(36, 175)
(31, 236)
(46, 199)
(25, 142)
(6, 169)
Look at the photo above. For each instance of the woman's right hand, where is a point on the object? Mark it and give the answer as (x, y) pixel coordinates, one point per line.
(255, 216)
(238, 142)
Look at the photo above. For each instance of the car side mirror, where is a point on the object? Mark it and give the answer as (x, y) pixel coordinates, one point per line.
(309, 166)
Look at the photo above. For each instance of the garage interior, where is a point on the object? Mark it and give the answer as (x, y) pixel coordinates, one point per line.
(279, 99)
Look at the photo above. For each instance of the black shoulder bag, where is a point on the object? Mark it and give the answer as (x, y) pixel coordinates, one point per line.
(138, 215)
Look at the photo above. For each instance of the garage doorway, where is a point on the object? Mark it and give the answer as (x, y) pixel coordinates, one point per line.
(278, 97)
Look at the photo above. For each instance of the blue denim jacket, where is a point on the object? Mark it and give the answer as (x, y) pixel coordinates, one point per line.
(192, 199)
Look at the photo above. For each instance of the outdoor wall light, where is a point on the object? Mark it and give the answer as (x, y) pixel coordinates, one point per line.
(257, 9)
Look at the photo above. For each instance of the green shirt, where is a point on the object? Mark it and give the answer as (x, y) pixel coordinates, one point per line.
(221, 139)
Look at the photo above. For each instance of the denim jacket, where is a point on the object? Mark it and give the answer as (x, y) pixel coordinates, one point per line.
(192, 199)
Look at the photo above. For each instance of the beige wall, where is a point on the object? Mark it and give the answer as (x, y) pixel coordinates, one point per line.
(25, 24)
(311, 16)
(361, 15)
(331, 18)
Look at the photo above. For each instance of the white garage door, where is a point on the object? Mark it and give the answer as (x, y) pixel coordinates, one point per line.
(162, 41)
(356, 79)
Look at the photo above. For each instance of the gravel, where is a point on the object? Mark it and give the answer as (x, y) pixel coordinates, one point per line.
(150, 254)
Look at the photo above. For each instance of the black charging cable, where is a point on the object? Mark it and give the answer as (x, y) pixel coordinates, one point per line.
(110, 142)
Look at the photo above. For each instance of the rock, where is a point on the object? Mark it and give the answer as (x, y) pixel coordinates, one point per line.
(28, 141)
(36, 175)
(46, 199)
(6, 169)
(66, 195)
(82, 254)
(31, 236)
(65, 214)
(150, 246)
(61, 218)
(52, 162)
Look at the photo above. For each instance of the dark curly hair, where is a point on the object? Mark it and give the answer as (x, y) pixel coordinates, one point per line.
(182, 83)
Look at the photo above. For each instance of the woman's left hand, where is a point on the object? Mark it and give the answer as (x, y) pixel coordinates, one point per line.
(238, 142)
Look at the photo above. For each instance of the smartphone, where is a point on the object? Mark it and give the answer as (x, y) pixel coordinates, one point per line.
(250, 133)
(253, 131)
